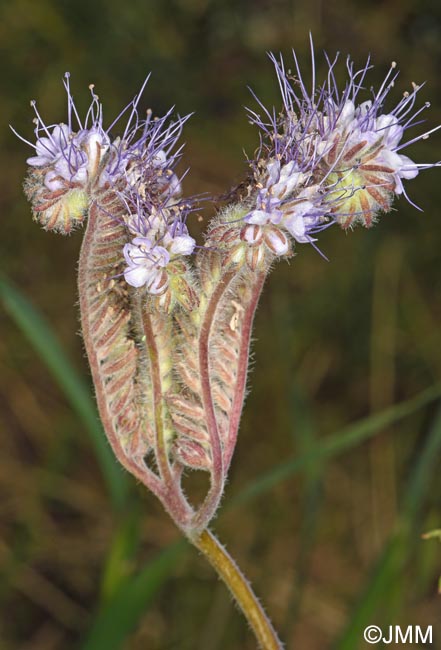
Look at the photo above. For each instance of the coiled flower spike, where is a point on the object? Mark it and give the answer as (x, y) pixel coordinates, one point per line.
(77, 161)
(168, 342)
(328, 157)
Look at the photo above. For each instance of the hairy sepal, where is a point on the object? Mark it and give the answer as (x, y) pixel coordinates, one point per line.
(61, 210)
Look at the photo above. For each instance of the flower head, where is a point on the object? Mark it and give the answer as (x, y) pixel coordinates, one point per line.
(79, 162)
(331, 156)
(81, 155)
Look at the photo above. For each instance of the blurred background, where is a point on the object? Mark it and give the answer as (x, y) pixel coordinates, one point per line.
(336, 474)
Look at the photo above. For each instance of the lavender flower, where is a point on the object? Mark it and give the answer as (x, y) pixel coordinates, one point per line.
(329, 159)
(79, 163)
(278, 203)
(83, 152)
(160, 236)
(68, 155)
(145, 263)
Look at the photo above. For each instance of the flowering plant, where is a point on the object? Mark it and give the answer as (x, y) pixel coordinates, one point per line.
(167, 323)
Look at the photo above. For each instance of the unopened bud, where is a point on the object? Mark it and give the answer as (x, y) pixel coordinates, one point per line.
(183, 292)
(277, 241)
(252, 234)
(235, 255)
(61, 210)
(159, 284)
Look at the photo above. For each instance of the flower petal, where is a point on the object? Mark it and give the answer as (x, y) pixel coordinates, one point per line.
(182, 245)
(137, 276)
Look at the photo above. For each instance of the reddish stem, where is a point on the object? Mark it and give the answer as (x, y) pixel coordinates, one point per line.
(239, 391)
(211, 502)
(176, 502)
(85, 273)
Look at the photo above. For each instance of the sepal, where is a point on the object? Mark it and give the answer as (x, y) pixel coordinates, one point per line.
(61, 210)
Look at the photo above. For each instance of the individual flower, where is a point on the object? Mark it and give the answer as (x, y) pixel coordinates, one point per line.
(286, 200)
(145, 265)
(147, 259)
(72, 153)
(160, 242)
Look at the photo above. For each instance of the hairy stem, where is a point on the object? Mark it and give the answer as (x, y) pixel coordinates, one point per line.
(209, 506)
(239, 390)
(161, 449)
(89, 275)
(177, 504)
(240, 589)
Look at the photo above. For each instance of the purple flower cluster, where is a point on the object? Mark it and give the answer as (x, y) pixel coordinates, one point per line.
(328, 158)
(160, 235)
(288, 201)
(138, 166)
(71, 157)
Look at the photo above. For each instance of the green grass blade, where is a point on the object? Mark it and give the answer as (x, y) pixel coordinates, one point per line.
(42, 338)
(121, 613)
(389, 566)
(122, 550)
(311, 498)
(338, 443)
(384, 575)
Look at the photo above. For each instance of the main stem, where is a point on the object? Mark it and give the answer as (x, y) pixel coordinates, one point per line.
(240, 589)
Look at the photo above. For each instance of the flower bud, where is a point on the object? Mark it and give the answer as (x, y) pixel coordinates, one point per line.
(236, 255)
(276, 241)
(252, 234)
(61, 210)
(159, 283)
(183, 292)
